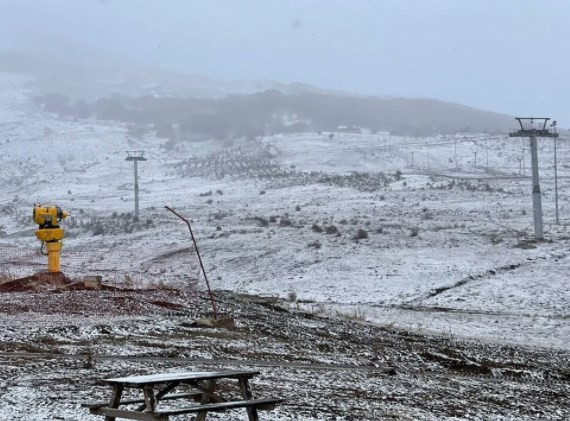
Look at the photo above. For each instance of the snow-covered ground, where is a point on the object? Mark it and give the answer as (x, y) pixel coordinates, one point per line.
(445, 252)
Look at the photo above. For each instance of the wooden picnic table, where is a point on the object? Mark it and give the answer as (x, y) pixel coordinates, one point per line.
(156, 388)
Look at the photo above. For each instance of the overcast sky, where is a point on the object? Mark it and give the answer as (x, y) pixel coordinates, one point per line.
(505, 55)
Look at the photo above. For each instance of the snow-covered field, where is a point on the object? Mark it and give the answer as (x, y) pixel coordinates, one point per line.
(445, 250)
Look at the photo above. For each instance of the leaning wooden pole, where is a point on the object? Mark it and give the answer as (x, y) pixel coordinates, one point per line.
(199, 259)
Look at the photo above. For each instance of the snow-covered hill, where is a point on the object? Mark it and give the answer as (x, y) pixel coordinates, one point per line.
(405, 231)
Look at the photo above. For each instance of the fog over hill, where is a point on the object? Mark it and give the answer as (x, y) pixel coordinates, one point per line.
(107, 87)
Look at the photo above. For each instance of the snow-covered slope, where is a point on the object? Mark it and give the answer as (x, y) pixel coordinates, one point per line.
(290, 214)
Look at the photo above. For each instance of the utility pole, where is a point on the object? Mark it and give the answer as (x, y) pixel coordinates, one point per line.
(136, 156)
(475, 152)
(412, 159)
(520, 164)
(528, 129)
(428, 167)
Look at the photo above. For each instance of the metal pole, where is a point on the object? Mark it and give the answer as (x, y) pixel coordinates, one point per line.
(455, 146)
(412, 159)
(523, 158)
(536, 200)
(487, 152)
(556, 181)
(199, 259)
(136, 190)
(475, 158)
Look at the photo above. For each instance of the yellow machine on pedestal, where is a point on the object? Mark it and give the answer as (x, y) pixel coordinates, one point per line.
(49, 232)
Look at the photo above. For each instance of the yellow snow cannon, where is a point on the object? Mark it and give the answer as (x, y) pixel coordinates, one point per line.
(50, 233)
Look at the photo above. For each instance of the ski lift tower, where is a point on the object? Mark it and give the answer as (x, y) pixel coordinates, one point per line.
(534, 127)
(136, 156)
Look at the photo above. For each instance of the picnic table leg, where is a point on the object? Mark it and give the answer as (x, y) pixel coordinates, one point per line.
(247, 395)
(149, 399)
(210, 386)
(157, 396)
(115, 399)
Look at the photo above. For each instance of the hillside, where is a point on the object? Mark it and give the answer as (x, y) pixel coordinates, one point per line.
(109, 88)
(446, 245)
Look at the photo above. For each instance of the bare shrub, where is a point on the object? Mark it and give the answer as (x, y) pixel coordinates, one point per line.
(398, 175)
(361, 234)
(495, 238)
(317, 228)
(291, 296)
(331, 229)
(316, 244)
(356, 315)
(262, 222)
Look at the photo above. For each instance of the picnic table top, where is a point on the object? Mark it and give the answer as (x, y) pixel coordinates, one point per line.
(179, 376)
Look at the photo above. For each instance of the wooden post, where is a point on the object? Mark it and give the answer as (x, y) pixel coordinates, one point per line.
(115, 399)
(210, 386)
(247, 395)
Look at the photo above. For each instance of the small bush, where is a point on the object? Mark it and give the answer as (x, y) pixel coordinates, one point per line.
(273, 218)
(262, 192)
(208, 193)
(297, 208)
(496, 238)
(291, 296)
(361, 234)
(331, 229)
(398, 175)
(262, 222)
(316, 244)
(317, 228)
(98, 229)
(285, 222)
(414, 232)
(219, 192)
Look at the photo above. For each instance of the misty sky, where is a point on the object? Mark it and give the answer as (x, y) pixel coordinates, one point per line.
(505, 55)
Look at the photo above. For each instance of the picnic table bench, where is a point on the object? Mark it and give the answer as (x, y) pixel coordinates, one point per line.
(158, 387)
